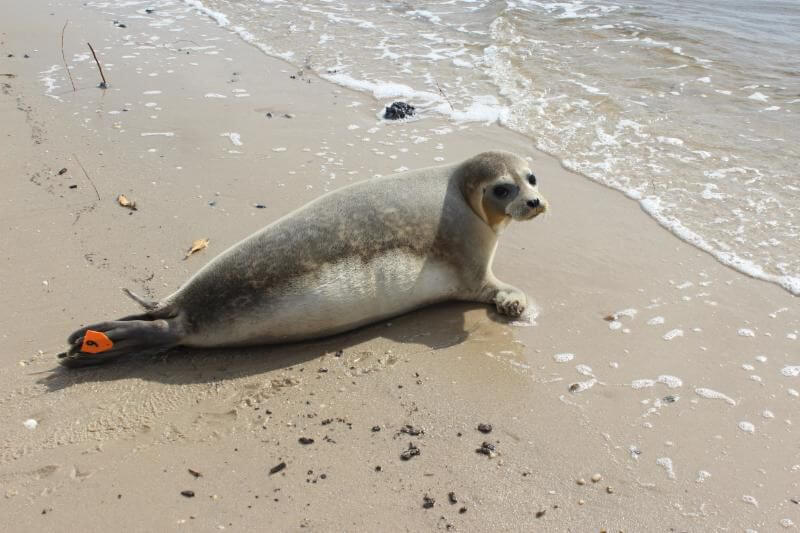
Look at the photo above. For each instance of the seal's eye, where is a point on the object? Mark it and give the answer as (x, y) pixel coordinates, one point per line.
(501, 191)
(532, 179)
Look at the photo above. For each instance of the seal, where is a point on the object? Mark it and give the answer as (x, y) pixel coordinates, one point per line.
(360, 254)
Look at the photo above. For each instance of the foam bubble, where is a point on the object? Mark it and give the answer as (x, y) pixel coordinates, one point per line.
(747, 427)
(563, 357)
(714, 395)
(668, 336)
(666, 463)
(234, 137)
(791, 371)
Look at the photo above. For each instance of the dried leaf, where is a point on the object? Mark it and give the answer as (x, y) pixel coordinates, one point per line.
(197, 245)
(124, 202)
(610, 318)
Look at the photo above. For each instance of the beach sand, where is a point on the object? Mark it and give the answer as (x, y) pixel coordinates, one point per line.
(651, 364)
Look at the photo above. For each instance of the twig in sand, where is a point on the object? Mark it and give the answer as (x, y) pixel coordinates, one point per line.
(64, 57)
(87, 175)
(444, 95)
(103, 85)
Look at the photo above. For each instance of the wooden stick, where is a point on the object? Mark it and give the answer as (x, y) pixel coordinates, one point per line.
(65, 57)
(444, 95)
(86, 173)
(103, 85)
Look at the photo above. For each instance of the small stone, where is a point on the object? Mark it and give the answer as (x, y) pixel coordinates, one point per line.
(375, 429)
(187, 493)
(485, 428)
(596, 478)
(427, 502)
(462, 510)
(610, 489)
(540, 514)
(580, 481)
(412, 451)
(581, 502)
(30, 423)
(487, 448)
(451, 496)
(277, 468)
(305, 440)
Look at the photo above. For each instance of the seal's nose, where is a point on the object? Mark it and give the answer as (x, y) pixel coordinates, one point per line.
(533, 204)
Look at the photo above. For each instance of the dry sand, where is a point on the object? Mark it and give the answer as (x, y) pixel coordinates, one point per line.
(113, 445)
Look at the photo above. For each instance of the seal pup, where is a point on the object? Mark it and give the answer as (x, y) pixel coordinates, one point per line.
(360, 254)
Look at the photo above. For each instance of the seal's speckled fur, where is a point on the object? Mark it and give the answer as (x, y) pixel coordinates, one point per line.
(362, 253)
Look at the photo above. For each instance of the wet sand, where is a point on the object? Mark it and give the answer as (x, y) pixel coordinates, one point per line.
(670, 375)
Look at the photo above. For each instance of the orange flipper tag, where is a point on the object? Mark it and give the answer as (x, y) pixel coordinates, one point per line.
(95, 342)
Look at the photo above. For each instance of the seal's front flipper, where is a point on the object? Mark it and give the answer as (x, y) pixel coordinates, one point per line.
(100, 343)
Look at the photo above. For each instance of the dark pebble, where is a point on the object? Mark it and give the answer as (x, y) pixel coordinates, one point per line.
(487, 448)
(427, 502)
(187, 493)
(62, 171)
(277, 468)
(378, 468)
(412, 451)
(462, 510)
(73, 186)
(452, 497)
(540, 514)
(408, 429)
(398, 110)
(259, 206)
(485, 428)
(305, 440)
(670, 399)
(375, 429)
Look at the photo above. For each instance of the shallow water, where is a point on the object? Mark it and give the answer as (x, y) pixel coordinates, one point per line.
(686, 107)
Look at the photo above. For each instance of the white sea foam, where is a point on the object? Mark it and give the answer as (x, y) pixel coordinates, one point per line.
(666, 464)
(563, 357)
(791, 371)
(714, 395)
(671, 382)
(234, 137)
(158, 134)
(668, 336)
(747, 427)
(582, 386)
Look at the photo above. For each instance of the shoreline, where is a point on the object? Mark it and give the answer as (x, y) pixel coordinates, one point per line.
(122, 437)
(498, 114)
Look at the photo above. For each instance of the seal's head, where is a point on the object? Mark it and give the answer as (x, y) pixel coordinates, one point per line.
(500, 187)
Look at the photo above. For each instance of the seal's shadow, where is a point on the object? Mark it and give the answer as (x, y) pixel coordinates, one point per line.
(435, 327)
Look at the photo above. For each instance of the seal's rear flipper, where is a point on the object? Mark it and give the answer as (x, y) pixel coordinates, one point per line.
(100, 343)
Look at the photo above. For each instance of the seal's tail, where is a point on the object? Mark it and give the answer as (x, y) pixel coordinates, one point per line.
(143, 334)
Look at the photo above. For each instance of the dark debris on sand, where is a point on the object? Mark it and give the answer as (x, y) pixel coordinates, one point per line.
(398, 110)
